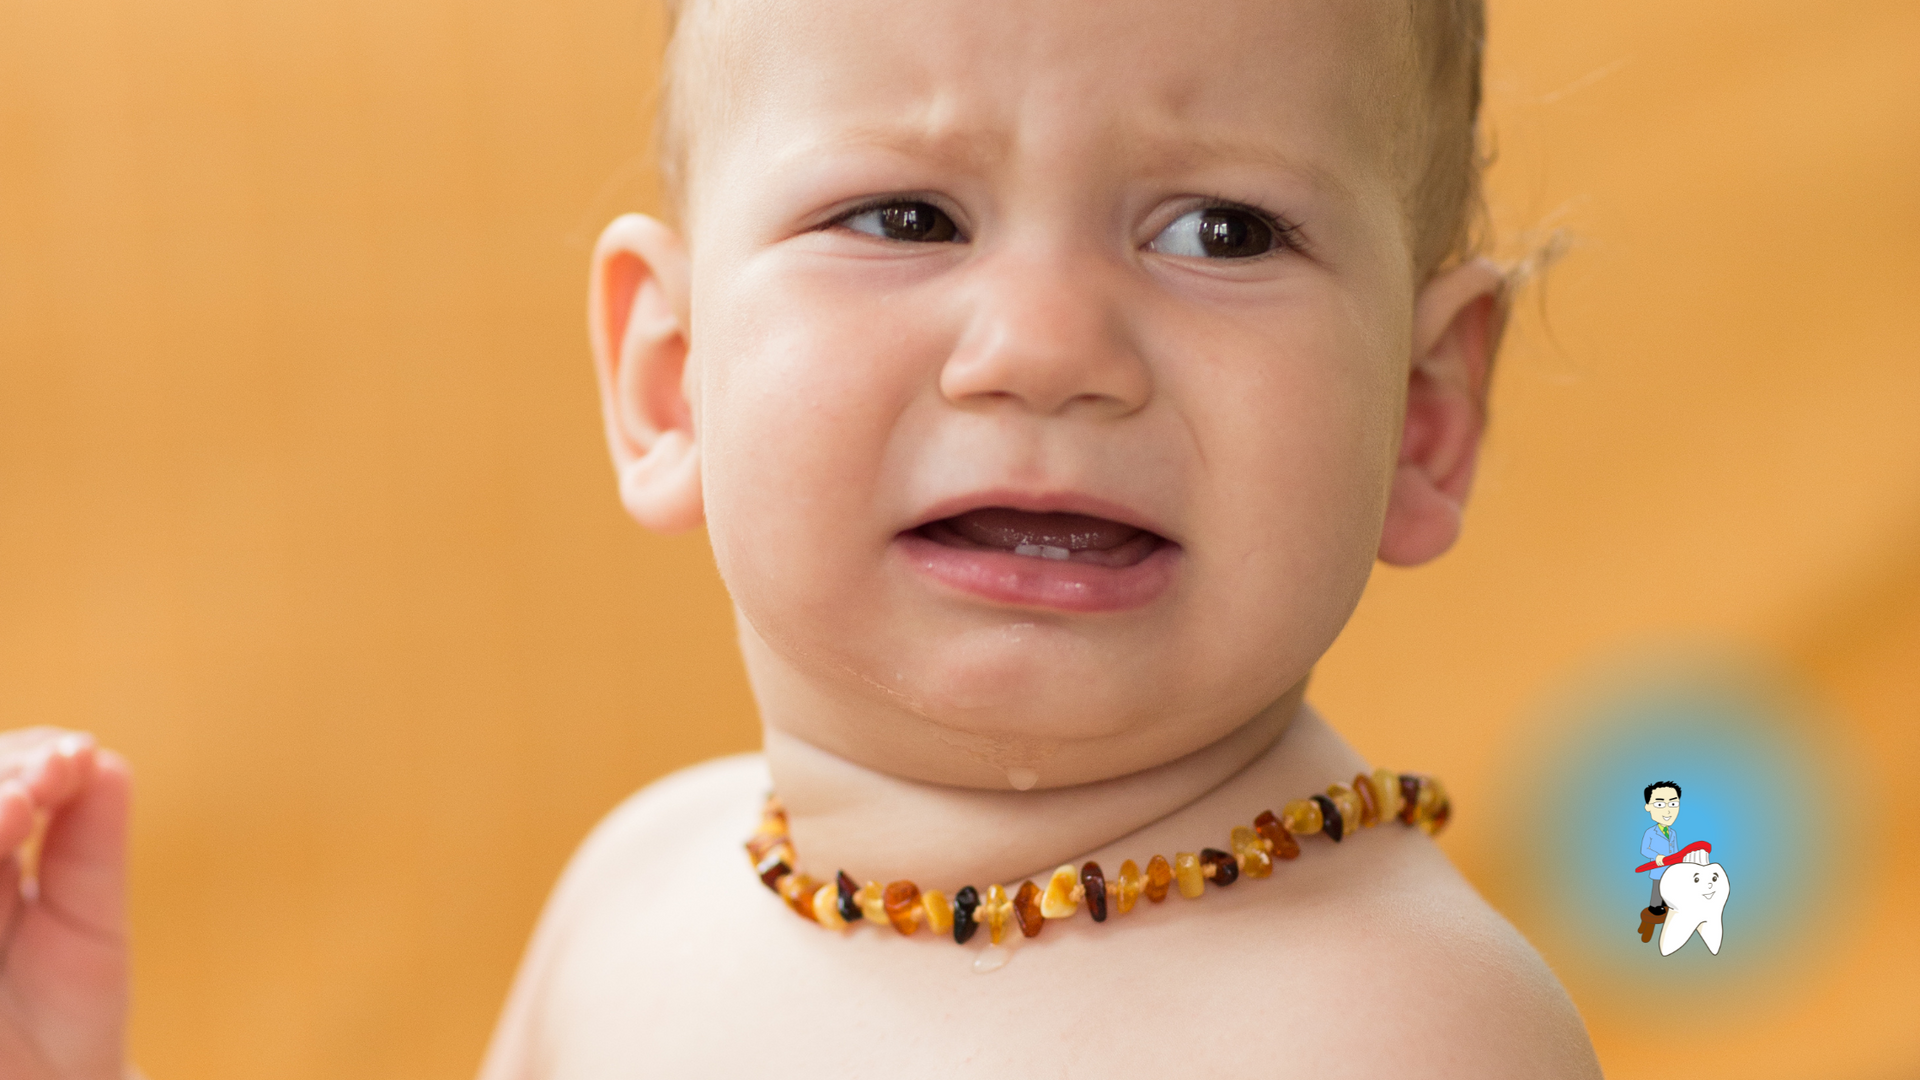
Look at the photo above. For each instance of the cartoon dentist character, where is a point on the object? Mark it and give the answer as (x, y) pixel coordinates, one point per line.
(1689, 892)
(1660, 843)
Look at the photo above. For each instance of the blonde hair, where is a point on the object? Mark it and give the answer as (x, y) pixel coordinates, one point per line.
(1443, 158)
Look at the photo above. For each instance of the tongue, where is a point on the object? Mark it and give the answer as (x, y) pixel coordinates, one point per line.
(1048, 536)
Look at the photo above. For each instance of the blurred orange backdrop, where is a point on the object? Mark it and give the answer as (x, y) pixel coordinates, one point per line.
(303, 503)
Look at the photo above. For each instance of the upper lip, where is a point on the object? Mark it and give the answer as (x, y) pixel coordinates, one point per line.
(1050, 502)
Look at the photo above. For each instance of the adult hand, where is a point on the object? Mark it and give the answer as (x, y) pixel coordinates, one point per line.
(63, 935)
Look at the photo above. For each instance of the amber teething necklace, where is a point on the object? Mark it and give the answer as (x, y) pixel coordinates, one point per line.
(1414, 800)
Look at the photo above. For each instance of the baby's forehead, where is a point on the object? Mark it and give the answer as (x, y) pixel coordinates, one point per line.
(1045, 70)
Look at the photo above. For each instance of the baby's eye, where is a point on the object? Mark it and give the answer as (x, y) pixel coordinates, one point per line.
(911, 222)
(1220, 232)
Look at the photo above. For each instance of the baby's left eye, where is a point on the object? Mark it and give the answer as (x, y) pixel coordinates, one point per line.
(1221, 232)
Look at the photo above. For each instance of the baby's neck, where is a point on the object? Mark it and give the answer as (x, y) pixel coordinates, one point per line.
(879, 826)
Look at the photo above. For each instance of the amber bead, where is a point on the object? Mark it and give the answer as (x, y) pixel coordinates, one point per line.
(1369, 802)
(1159, 876)
(872, 904)
(1302, 817)
(900, 901)
(846, 892)
(826, 908)
(1188, 875)
(1057, 901)
(937, 910)
(1409, 798)
(1347, 802)
(1219, 867)
(1270, 830)
(797, 890)
(1026, 909)
(1128, 887)
(772, 868)
(997, 912)
(1386, 788)
(965, 903)
(1094, 884)
(761, 843)
(1435, 808)
(1250, 850)
(1330, 822)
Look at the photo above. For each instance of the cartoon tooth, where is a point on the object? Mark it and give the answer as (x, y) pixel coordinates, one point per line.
(1695, 894)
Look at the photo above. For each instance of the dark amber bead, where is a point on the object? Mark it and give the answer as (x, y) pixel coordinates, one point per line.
(1269, 827)
(1159, 878)
(848, 905)
(1219, 866)
(1330, 822)
(1094, 883)
(1026, 909)
(899, 901)
(1409, 798)
(771, 870)
(1369, 802)
(964, 904)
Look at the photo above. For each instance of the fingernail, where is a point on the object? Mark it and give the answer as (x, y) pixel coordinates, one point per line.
(72, 743)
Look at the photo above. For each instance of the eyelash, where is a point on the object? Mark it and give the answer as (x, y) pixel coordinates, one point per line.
(1286, 234)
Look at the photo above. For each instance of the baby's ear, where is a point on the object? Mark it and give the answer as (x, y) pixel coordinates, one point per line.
(637, 317)
(1457, 321)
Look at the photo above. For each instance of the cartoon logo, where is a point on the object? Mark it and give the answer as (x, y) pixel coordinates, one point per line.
(1689, 893)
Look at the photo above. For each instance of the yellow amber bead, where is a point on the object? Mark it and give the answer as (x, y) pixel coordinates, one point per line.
(826, 908)
(1386, 788)
(872, 907)
(1127, 886)
(1256, 863)
(1436, 809)
(938, 911)
(1242, 838)
(1159, 876)
(1187, 874)
(997, 912)
(1058, 902)
(1301, 817)
(1348, 803)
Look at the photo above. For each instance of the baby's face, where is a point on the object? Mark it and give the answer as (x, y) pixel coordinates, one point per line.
(1048, 361)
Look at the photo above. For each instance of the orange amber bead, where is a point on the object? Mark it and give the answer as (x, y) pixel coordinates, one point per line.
(1159, 876)
(1127, 889)
(1276, 834)
(797, 890)
(901, 901)
(1369, 802)
(1093, 884)
(1386, 788)
(1187, 874)
(1026, 909)
(1302, 817)
(997, 912)
(1057, 901)
(935, 908)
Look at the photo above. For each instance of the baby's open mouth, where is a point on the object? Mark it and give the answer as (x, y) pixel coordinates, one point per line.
(1061, 537)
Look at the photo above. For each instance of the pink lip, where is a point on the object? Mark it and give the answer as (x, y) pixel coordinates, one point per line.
(1002, 577)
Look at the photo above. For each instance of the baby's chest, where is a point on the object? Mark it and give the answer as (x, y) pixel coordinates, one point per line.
(742, 988)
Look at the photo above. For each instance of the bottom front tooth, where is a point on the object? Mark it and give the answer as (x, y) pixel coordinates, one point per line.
(1042, 551)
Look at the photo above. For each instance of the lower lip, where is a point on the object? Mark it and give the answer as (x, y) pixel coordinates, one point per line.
(1054, 584)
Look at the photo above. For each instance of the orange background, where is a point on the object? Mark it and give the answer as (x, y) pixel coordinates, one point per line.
(303, 503)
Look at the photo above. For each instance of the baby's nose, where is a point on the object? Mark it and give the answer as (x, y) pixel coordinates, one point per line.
(1050, 335)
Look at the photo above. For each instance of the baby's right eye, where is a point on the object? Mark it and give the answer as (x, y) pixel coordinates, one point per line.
(909, 221)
